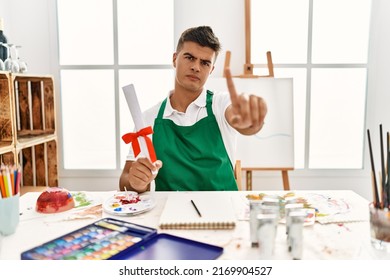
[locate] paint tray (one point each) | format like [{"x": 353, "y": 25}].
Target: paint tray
[
  {"x": 169, "y": 247},
  {"x": 112, "y": 239}
]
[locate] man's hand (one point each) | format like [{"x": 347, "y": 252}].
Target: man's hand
[
  {"x": 142, "y": 172},
  {"x": 247, "y": 112}
]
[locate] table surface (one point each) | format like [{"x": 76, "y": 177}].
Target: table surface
[{"x": 334, "y": 241}]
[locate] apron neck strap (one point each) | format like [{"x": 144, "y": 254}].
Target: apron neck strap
[
  {"x": 209, "y": 101},
  {"x": 162, "y": 109}
]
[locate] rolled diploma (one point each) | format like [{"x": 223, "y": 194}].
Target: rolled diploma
[{"x": 135, "y": 110}]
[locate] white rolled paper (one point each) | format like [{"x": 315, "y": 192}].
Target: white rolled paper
[
  {"x": 135, "y": 110},
  {"x": 136, "y": 113}
]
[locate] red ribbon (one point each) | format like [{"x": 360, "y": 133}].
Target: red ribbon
[{"x": 133, "y": 138}]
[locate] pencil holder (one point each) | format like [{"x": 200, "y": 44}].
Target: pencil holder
[
  {"x": 380, "y": 228},
  {"x": 9, "y": 214}
]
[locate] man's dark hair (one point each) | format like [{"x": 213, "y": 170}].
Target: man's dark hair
[{"x": 203, "y": 35}]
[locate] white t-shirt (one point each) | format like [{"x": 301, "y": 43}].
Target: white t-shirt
[{"x": 195, "y": 112}]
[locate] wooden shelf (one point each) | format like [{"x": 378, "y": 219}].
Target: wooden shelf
[
  {"x": 28, "y": 128},
  {"x": 23, "y": 143},
  {"x": 8, "y": 157},
  {"x": 7, "y": 129},
  {"x": 39, "y": 164},
  {"x": 6, "y": 149}
]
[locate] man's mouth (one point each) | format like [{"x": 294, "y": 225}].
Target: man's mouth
[{"x": 193, "y": 78}]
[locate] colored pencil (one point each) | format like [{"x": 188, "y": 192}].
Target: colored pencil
[
  {"x": 18, "y": 179},
  {"x": 9, "y": 183},
  {"x": 2, "y": 187},
  {"x": 12, "y": 181},
  {"x": 5, "y": 180}
]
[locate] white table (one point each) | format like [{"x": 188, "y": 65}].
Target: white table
[{"x": 321, "y": 241}]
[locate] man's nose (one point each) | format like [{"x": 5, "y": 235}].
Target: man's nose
[{"x": 195, "y": 66}]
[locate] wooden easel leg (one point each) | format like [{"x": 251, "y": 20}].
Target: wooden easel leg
[
  {"x": 248, "y": 180},
  {"x": 286, "y": 184}
]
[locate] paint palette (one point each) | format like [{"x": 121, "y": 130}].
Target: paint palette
[
  {"x": 98, "y": 241},
  {"x": 128, "y": 203},
  {"x": 113, "y": 239}
]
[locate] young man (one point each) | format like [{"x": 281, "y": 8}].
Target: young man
[{"x": 194, "y": 129}]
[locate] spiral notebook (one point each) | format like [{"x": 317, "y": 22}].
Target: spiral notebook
[{"x": 200, "y": 210}]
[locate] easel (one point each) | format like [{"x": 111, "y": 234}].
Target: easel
[{"x": 248, "y": 73}]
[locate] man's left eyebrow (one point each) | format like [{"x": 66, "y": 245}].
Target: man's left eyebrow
[
  {"x": 205, "y": 60},
  {"x": 187, "y": 53},
  {"x": 202, "y": 60}
]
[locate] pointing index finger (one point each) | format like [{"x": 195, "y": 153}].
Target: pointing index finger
[{"x": 231, "y": 87}]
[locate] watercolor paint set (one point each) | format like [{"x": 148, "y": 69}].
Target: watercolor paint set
[{"x": 113, "y": 239}]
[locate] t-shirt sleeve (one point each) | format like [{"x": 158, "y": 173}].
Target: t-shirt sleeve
[{"x": 221, "y": 102}]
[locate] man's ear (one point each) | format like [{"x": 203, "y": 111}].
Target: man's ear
[
  {"x": 212, "y": 69},
  {"x": 174, "y": 59}
]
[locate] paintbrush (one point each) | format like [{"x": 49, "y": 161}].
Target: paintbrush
[
  {"x": 374, "y": 185},
  {"x": 127, "y": 194},
  {"x": 386, "y": 200},
  {"x": 383, "y": 181}
]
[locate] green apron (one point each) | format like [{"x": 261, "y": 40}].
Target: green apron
[{"x": 194, "y": 157}]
